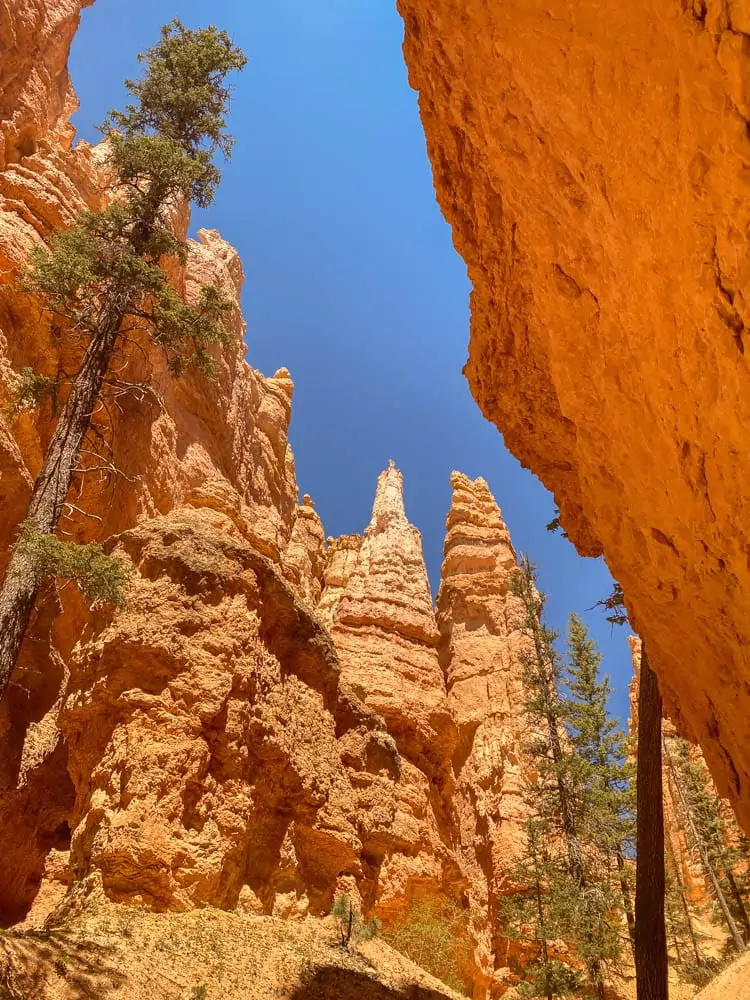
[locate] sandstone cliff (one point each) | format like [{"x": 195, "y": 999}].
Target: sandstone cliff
[
  {"x": 267, "y": 722},
  {"x": 592, "y": 160},
  {"x": 199, "y": 747}
]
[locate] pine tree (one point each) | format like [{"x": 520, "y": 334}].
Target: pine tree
[
  {"x": 607, "y": 823},
  {"x": 555, "y": 793},
  {"x": 541, "y": 913},
  {"x": 702, "y": 826},
  {"x": 651, "y": 961},
  {"x": 716, "y": 826},
  {"x": 650, "y": 934},
  {"x": 104, "y": 279}
]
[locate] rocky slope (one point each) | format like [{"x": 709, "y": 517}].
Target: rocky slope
[
  {"x": 592, "y": 160},
  {"x": 125, "y": 953}
]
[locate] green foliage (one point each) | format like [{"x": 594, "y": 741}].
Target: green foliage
[
  {"x": 97, "y": 575},
  {"x": 351, "y": 926},
  {"x": 161, "y": 149},
  {"x": 700, "y": 973},
  {"x": 28, "y": 391},
  {"x": 603, "y": 774},
  {"x": 552, "y": 978},
  {"x": 433, "y": 932},
  {"x": 726, "y": 846},
  {"x": 199, "y": 992},
  {"x": 181, "y": 100},
  {"x": 555, "y": 525},
  {"x": 572, "y": 872}
]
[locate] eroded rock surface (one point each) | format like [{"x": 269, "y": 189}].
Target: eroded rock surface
[
  {"x": 481, "y": 638},
  {"x": 592, "y": 160}
]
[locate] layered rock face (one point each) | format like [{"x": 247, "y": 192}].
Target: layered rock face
[
  {"x": 480, "y": 641},
  {"x": 592, "y": 160},
  {"x": 137, "y": 748}
]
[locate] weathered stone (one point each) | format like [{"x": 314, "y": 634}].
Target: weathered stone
[
  {"x": 479, "y": 621},
  {"x": 592, "y": 160}
]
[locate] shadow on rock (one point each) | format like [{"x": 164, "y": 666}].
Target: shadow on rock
[
  {"x": 33, "y": 963},
  {"x": 346, "y": 984}
]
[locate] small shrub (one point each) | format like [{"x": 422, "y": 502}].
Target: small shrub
[
  {"x": 97, "y": 575},
  {"x": 433, "y": 932},
  {"x": 29, "y": 391},
  {"x": 350, "y": 923},
  {"x": 700, "y": 973},
  {"x": 199, "y": 992}
]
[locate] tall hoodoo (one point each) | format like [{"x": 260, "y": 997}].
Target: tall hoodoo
[
  {"x": 479, "y": 644},
  {"x": 385, "y": 630},
  {"x": 378, "y": 607}
]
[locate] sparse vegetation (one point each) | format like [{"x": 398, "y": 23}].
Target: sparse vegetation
[
  {"x": 97, "y": 575},
  {"x": 351, "y": 925},
  {"x": 28, "y": 391},
  {"x": 433, "y": 932}
]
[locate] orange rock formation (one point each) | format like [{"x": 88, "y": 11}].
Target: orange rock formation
[
  {"x": 479, "y": 621},
  {"x": 269, "y": 720},
  {"x": 593, "y": 160}
]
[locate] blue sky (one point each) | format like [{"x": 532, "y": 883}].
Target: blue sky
[{"x": 352, "y": 280}]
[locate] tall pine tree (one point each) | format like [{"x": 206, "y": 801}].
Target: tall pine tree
[
  {"x": 606, "y": 805},
  {"x": 104, "y": 279},
  {"x": 556, "y": 796}
]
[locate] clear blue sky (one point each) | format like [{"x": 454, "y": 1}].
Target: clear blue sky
[{"x": 352, "y": 280}]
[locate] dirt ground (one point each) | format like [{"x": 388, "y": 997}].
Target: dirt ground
[{"x": 121, "y": 953}]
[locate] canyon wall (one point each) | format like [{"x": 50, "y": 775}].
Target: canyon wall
[
  {"x": 592, "y": 160},
  {"x": 272, "y": 718}
]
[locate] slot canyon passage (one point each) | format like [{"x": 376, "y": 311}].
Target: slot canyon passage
[{"x": 278, "y": 719}]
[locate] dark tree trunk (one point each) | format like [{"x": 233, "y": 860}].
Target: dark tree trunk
[
  {"x": 650, "y": 931},
  {"x": 627, "y": 902},
  {"x": 22, "y": 579}
]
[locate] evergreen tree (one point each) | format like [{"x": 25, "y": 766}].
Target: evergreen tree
[
  {"x": 555, "y": 793},
  {"x": 716, "y": 826},
  {"x": 650, "y": 934},
  {"x": 651, "y": 959},
  {"x": 104, "y": 279},
  {"x": 606, "y": 806},
  {"x": 701, "y": 837},
  {"x": 541, "y": 913}
]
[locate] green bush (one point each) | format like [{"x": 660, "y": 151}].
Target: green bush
[
  {"x": 97, "y": 575},
  {"x": 350, "y": 923},
  {"x": 433, "y": 932}
]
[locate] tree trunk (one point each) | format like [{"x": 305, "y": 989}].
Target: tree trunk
[
  {"x": 626, "y": 900},
  {"x": 736, "y": 896},
  {"x": 684, "y": 902},
  {"x": 703, "y": 851},
  {"x": 650, "y": 931},
  {"x": 22, "y": 579}
]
